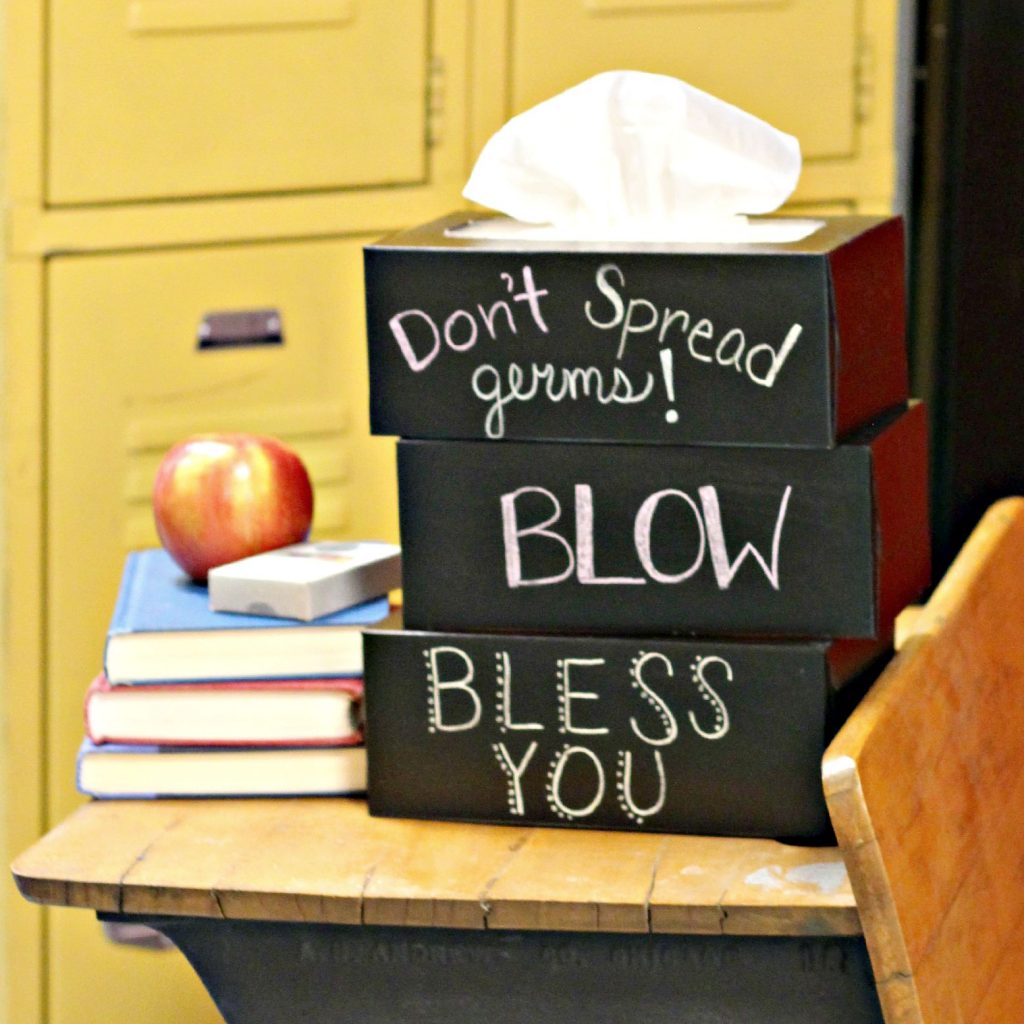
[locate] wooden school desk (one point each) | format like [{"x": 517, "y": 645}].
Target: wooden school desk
[{"x": 311, "y": 911}]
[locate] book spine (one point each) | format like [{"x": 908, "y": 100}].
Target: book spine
[
  {"x": 679, "y": 736},
  {"x": 126, "y": 600},
  {"x": 98, "y": 683},
  {"x": 126, "y": 595},
  {"x": 119, "y": 621},
  {"x": 100, "y": 691},
  {"x": 353, "y": 740}
]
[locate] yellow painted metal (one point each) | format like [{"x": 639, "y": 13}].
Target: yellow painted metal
[
  {"x": 203, "y": 15},
  {"x": 623, "y": 6},
  {"x": 93, "y": 981},
  {"x": 490, "y": 28},
  {"x": 62, "y": 302},
  {"x": 878, "y": 58},
  {"x": 824, "y": 70},
  {"x": 204, "y": 108},
  {"x": 125, "y": 381},
  {"x": 24, "y": 623},
  {"x": 199, "y": 222},
  {"x": 790, "y": 63},
  {"x": 40, "y": 955},
  {"x": 23, "y": 72},
  {"x": 864, "y": 184}
]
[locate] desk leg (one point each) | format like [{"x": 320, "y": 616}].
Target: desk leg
[{"x": 271, "y": 973}]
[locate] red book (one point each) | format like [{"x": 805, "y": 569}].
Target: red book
[{"x": 280, "y": 712}]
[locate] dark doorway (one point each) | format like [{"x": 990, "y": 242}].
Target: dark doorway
[{"x": 967, "y": 257}]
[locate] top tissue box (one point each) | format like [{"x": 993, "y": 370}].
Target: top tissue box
[{"x": 789, "y": 343}]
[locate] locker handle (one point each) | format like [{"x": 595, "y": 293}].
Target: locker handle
[
  {"x": 145, "y": 16},
  {"x": 241, "y": 328}
]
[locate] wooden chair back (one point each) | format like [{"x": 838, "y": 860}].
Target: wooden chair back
[{"x": 925, "y": 785}]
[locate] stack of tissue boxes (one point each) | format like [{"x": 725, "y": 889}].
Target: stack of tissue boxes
[{"x": 660, "y": 505}]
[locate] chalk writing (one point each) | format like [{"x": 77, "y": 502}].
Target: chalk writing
[
  {"x": 556, "y": 772},
  {"x": 668, "y": 720},
  {"x": 523, "y": 383},
  {"x": 419, "y": 337},
  {"x": 698, "y": 672},
  {"x": 668, "y": 373},
  {"x": 567, "y": 695},
  {"x": 577, "y": 781},
  {"x": 503, "y": 704},
  {"x": 762, "y": 363},
  {"x": 520, "y": 319},
  {"x": 514, "y": 773},
  {"x": 579, "y": 558},
  {"x": 624, "y": 787},
  {"x": 462, "y": 684}
]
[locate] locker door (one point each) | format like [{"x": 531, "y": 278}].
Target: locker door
[
  {"x": 126, "y": 380},
  {"x": 152, "y": 99}
]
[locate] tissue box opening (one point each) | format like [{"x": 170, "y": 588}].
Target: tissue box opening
[
  {"x": 792, "y": 344},
  {"x": 740, "y": 230}
]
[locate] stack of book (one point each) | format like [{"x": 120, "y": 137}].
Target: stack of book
[
  {"x": 195, "y": 702},
  {"x": 660, "y": 506}
]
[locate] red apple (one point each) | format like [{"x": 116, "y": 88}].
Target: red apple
[{"x": 221, "y": 497}]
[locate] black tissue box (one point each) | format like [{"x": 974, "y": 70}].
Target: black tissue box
[
  {"x": 661, "y": 735},
  {"x": 791, "y": 344},
  {"x": 626, "y": 539}
]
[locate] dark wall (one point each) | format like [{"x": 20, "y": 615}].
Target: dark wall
[{"x": 967, "y": 257}]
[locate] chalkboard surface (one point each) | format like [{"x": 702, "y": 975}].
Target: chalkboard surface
[
  {"x": 666, "y": 540},
  {"x": 795, "y": 345},
  {"x": 664, "y": 735}
]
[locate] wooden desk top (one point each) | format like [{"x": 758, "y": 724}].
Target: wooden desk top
[{"x": 329, "y": 861}]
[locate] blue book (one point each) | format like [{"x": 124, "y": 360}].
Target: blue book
[
  {"x": 114, "y": 771},
  {"x": 164, "y": 631}
]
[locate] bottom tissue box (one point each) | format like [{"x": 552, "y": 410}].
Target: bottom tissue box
[{"x": 657, "y": 734}]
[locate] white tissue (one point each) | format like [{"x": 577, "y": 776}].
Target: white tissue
[{"x": 628, "y": 155}]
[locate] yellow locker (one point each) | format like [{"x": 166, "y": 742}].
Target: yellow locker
[
  {"x": 127, "y": 379},
  {"x": 790, "y": 62},
  {"x": 172, "y": 158},
  {"x": 152, "y": 99},
  {"x": 91, "y": 979},
  {"x": 823, "y": 70}
]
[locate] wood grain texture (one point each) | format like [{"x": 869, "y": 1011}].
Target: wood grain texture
[
  {"x": 329, "y": 861},
  {"x": 576, "y": 881},
  {"x": 436, "y": 876},
  {"x": 84, "y": 860},
  {"x": 804, "y": 889},
  {"x": 907, "y": 624},
  {"x": 925, "y": 785}
]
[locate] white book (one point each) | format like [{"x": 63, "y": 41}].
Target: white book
[
  {"x": 307, "y": 581},
  {"x": 115, "y": 771}
]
